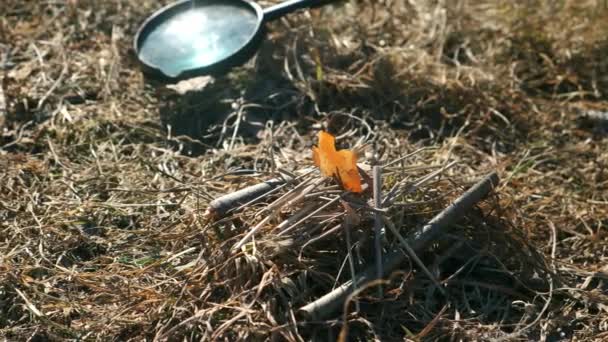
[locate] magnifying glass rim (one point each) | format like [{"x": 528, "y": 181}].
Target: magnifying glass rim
[{"x": 156, "y": 72}]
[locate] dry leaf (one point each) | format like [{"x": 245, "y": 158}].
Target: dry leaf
[{"x": 341, "y": 164}]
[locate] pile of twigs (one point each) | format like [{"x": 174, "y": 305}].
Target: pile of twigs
[{"x": 304, "y": 208}]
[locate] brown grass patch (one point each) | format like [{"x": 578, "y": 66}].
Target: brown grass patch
[{"x": 104, "y": 180}]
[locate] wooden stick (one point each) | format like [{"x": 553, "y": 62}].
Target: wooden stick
[
  {"x": 332, "y": 301},
  {"x": 351, "y": 262},
  {"x": 220, "y": 206},
  {"x": 2, "y": 106},
  {"x": 377, "y": 187},
  {"x": 289, "y": 179}
]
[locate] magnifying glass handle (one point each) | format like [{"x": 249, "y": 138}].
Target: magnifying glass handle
[{"x": 279, "y": 10}]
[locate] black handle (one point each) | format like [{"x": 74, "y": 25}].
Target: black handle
[{"x": 279, "y": 10}]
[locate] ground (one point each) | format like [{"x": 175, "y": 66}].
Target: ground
[{"x": 105, "y": 177}]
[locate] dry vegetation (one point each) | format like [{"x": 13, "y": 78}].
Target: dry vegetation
[{"x": 104, "y": 180}]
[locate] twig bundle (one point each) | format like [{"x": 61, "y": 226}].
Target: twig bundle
[{"x": 311, "y": 208}]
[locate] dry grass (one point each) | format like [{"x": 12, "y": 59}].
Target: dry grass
[{"x": 104, "y": 181}]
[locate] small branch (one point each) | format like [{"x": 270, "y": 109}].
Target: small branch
[
  {"x": 351, "y": 261},
  {"x": 377, "y": 177},
  {"x": 220, "y": 206},
  {"x": 2, "y": 106},
  {"x": 289, "y": 178},
  {"x": 332, "y": 301},
  {"x": 237, "y": 124}
]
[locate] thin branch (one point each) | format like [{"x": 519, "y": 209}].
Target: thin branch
[{"x": 377, "y": 177}]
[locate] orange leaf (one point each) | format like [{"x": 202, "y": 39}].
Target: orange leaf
[{"x": 340, "y": 164}]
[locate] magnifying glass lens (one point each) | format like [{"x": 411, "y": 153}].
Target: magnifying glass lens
[{"x": 198, "y": 37}]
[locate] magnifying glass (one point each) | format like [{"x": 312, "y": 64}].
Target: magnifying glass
[{"x": 191, "y": 38}]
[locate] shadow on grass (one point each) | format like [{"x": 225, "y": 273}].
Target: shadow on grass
[{"x": 305, "y": 82}]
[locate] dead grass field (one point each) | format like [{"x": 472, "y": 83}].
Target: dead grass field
[{"x": 104, "y": 180}]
